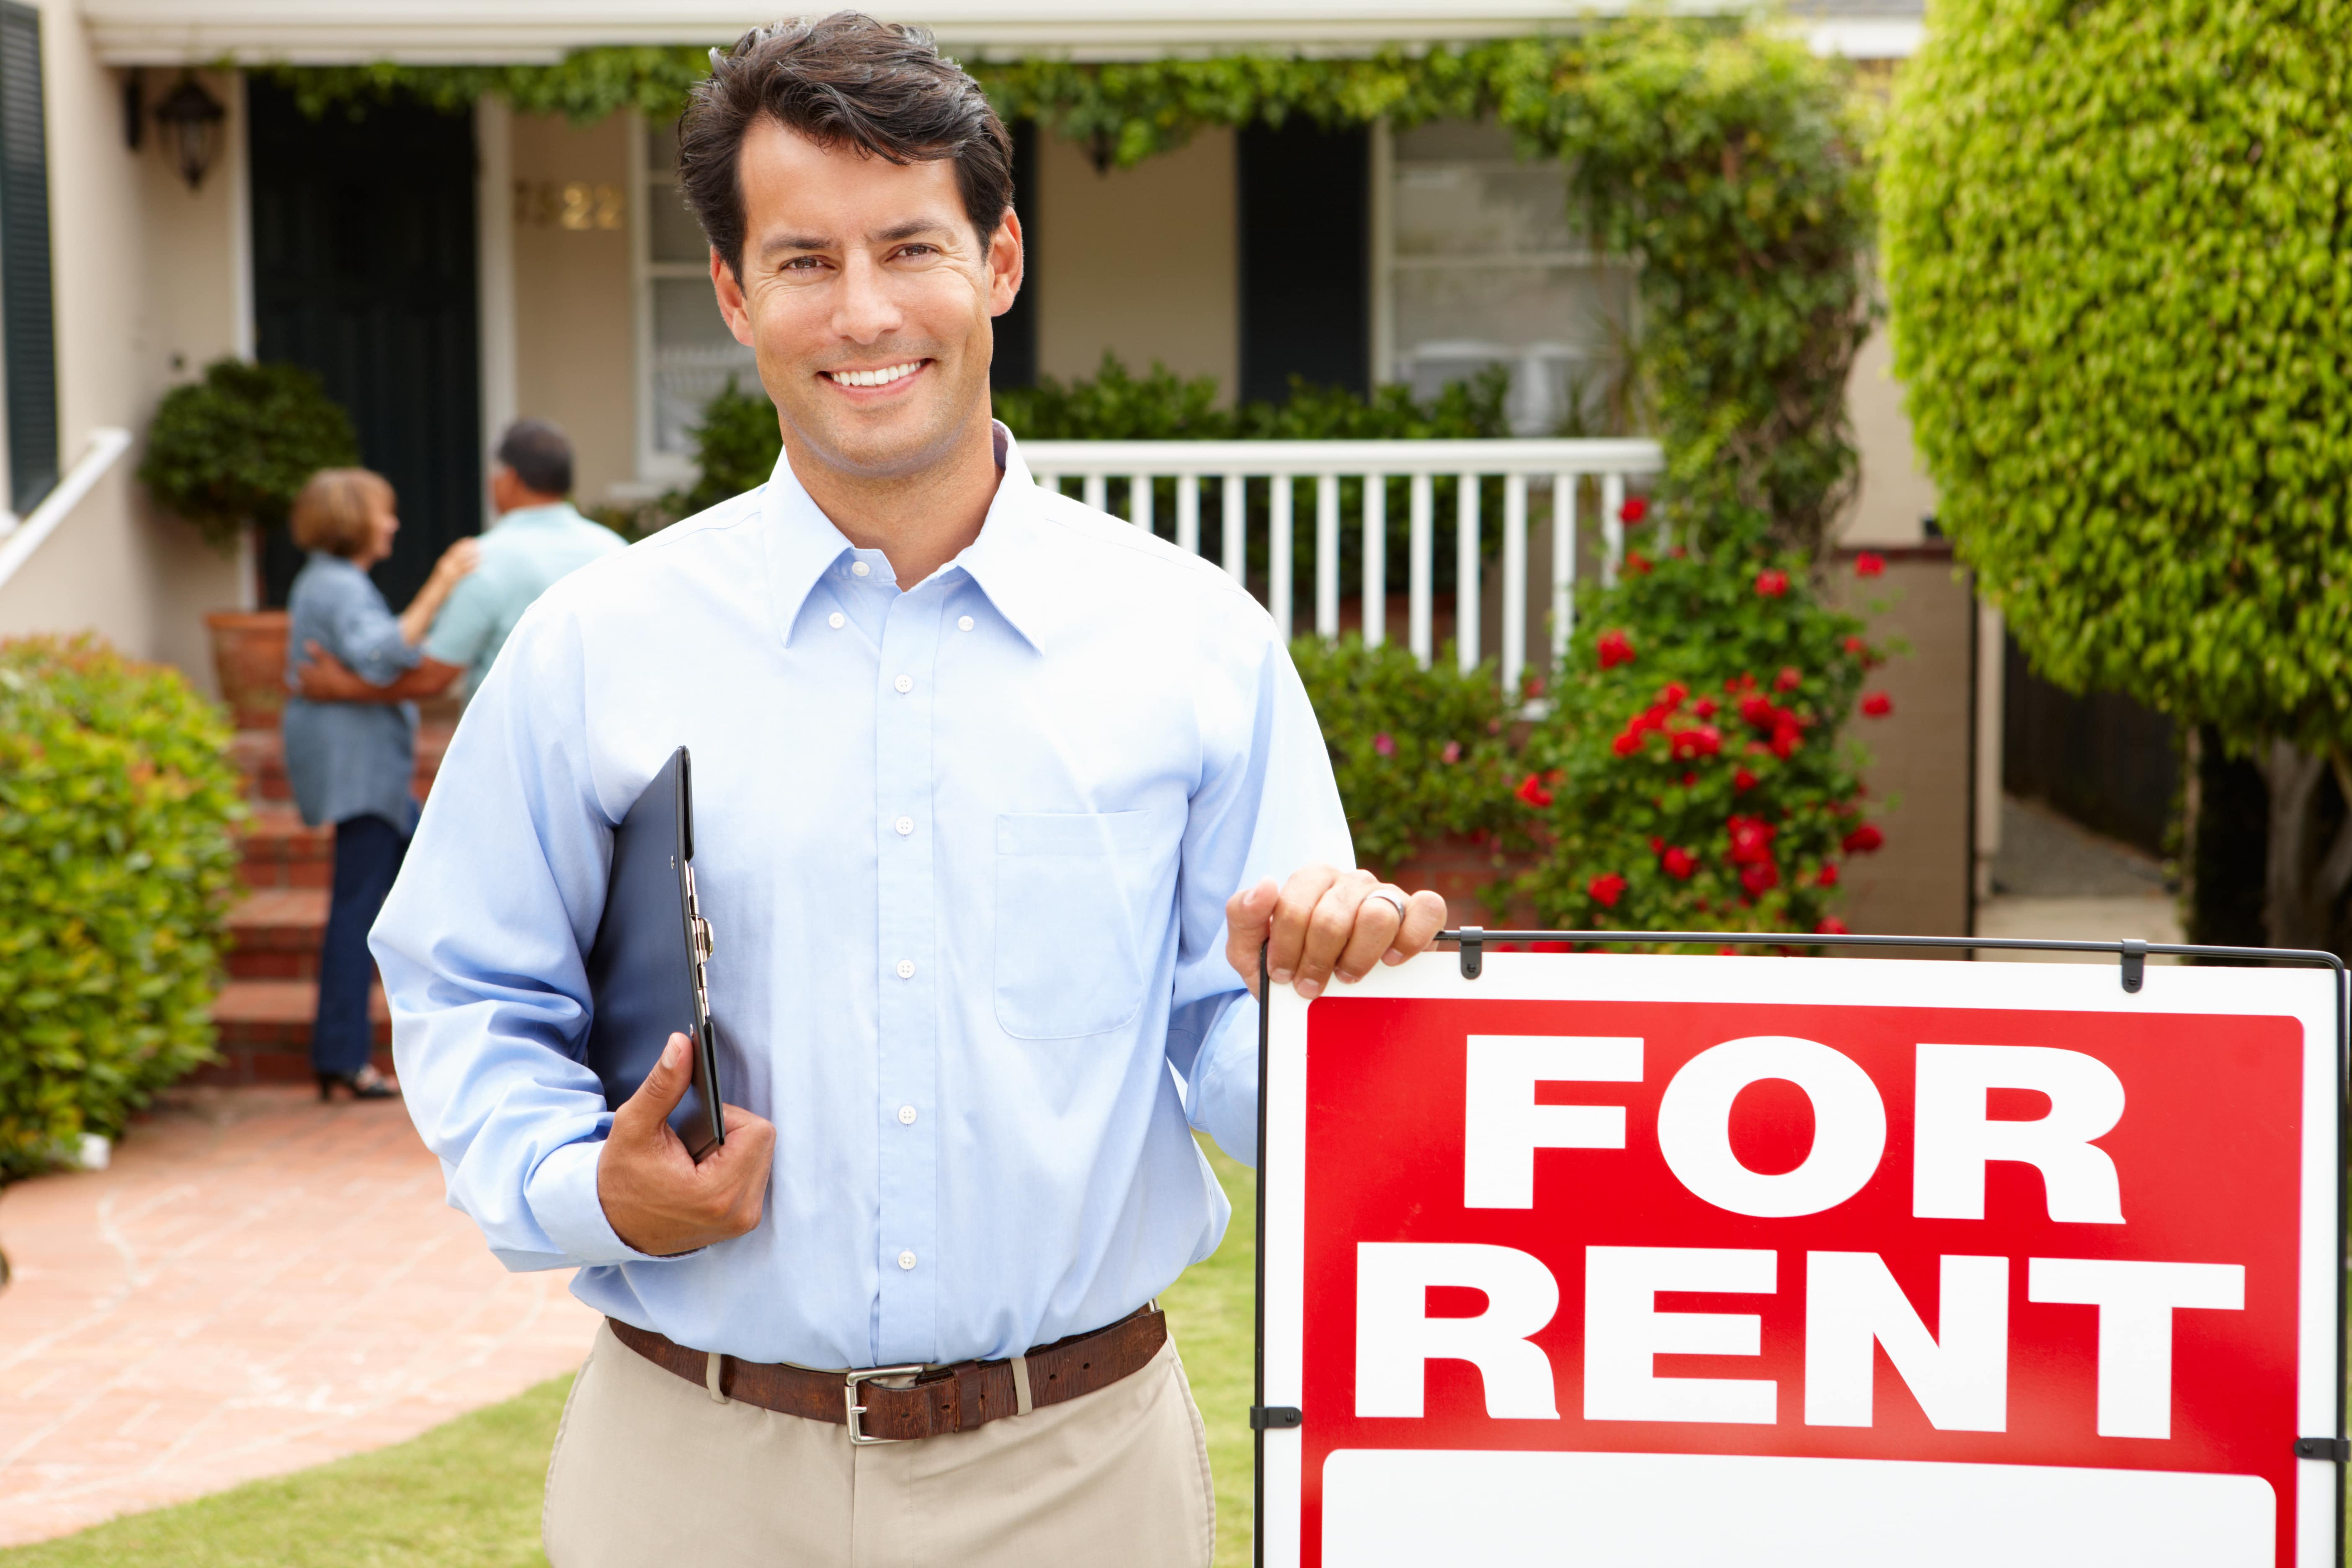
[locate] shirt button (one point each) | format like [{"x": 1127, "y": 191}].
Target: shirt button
[
  {"x": 905, "y": 969},
  {"x": 860, "y": 568},
  {"x": 905, "y": 1116},
  {"x": 906, "y": 1261},
  {"x": 905, "y": 825},
  {"x": 837, "y": 620},
  {"x": 963, "y": 623},
  {"x": 904, "y": 683}
]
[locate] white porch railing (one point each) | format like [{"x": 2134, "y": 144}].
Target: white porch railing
[
  {"x": 20, "y": 537},
  {"x": 1556, "y": 469}
]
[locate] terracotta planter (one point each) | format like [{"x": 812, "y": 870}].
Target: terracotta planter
[{"x": 250, "y": 654}]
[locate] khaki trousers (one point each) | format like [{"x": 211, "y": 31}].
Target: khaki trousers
[{"x": 649, "y": 1470}]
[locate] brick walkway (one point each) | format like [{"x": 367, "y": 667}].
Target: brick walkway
[{"x": 259, "y": 1283}]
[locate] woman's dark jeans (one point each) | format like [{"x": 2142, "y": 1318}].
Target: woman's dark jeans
[{"x": 368, "y": 851}]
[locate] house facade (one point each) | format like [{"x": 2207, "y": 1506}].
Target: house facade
[{"x": 443, "y": 273}]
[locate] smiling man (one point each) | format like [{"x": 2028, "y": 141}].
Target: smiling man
[{"x": 992, "y": 794}]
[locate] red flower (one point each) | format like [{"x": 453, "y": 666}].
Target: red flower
[
  {"x": 1830, "y": 926},
  {"x": 1689, "y": 779},
  {"x": 1673, "y": 693},
  {"x": 1772, "y": 582},
  {"x": 1789, "y": 680},
  {"x": 1637, "y": 562},
  {"x": 1615, "y": 648},
  {"x": 1532, "y": 791},
  {"x": 1531, "y": 686},
  {"x": 1626, "y": 743},
  {"x": 1785, "y": 739},
  {"x": 1452, "y": 753},
  {"x": 1867, "y": 564},
  {"x": 1385, "y": 743},
  {"x": 1551, "y": 947},
  {"x": 1678, "y": 862},
  {"x": 1606, "y": 890},
  {"x": 1829, "y": 876},
  {"x": 1704, "y": 707},
  {"x": 1759, "y": 878},
  {"x": 1863, "y": 839},
  {"x": 1743, "y": 779},
  {"x": 1876, "y": 704},
  {"x": 1634, "y": 509},
  {"x": 1758, "y": 710}
]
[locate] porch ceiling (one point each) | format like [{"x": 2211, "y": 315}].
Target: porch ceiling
[{"x": 329, "y": 31}]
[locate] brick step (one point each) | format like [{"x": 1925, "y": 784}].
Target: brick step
[
  {"x": 280, "y": 852},
  {"x": 274, "y": 933},
  {"x": 260, "y": 757},
  {"x": 265, "y": 1032}
]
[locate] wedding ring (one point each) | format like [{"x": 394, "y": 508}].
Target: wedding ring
[{"x": 1388, "y": 896}]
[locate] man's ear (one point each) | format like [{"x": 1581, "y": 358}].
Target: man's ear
[
  {"x": 1007, "y": 263},
  {"x": 724, "y": 283}
]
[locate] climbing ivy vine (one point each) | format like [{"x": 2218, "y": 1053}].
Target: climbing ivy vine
[{"x": 1717, "y": 154}]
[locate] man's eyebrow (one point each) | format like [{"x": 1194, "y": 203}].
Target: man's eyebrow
[
  {"x": 910, "y": 229},
  {"x": 776, "y": 242}
]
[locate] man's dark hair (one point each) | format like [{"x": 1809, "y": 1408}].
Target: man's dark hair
[
  {"x": 540, "y": 455},
  {"x": 847, "y": 80}
]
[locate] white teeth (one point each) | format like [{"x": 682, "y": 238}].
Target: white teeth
[{"x": 876, "y": 377}]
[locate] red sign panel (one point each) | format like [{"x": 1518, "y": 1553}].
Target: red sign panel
[{"x": 1690, "y": 1277}]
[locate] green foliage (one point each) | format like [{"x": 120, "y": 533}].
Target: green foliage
[
  {"x": 1719, "y": 153},
  {"x": 2121, "y": 274},
  {"x": 1420, "y": 755},
  {"x": 736, "y": 445},
  {"x": 1688, "y": 776},
  {"x": 236, "y": 446},
  {"x": 116, "y": 861}
]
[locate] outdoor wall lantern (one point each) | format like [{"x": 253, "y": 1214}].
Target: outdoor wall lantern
[{"x": 190, "y": 118}]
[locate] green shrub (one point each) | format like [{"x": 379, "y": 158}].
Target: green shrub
[
  {"x": 1420, "y": 755},
  {"x": 238, "y": 445},
  {"x": 1689, "y": 775},
  {"x": 116, "y": 862}
]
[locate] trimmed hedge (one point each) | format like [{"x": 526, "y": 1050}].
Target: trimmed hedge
[{"x": 117, "y": 802}]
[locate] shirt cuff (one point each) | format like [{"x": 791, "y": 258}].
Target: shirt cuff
[{"x": 562, "y": 1197}]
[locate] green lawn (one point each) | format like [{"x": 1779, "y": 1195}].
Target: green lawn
[{"x": 466, "y": 1495}]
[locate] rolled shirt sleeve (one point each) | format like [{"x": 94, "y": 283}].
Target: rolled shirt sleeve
[{"x": 490, "y": 1013}]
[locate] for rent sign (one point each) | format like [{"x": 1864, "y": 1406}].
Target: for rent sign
[{"x": 1664, "y": 1261}]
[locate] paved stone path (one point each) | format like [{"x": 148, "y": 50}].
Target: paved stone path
[{"x": 257, "y": 1283}]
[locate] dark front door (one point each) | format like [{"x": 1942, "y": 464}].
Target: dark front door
[{"x": 363, "y": 272}]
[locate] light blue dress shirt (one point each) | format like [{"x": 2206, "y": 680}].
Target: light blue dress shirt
[
  {"x": 966, "y": 849},
  {"x": 523, "y": 554}
]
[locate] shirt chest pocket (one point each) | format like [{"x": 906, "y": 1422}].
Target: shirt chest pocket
[{"x": 1074, "y": 906}]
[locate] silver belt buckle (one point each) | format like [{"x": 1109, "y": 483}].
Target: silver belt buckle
[{"x": 849, "y": 1397}]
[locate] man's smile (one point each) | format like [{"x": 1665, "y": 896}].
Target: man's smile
[{"x": 886, "y": 376}]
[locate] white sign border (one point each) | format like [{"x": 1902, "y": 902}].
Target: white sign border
[{"x": 2306, "y": 994}]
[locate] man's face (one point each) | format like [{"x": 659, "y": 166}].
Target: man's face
[{"x": 867, "y": 298}]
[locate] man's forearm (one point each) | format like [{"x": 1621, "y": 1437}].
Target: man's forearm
[{"x": 429, "y": 678}]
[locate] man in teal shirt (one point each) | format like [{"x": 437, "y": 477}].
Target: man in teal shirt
[{"x": 538, "y": 538}]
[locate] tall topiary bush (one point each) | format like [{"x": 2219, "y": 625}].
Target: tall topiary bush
[
  {"x": 235, "y": 448},
  {"x": 2121, "y": 274},
  {"x": 116, "y": 862}
]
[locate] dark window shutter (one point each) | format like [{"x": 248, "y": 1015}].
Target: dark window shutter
[
  {"x": 1015, "y": 363},
  {"x": 1306, "y": 258},
  {"x": 28, "y": 329}
]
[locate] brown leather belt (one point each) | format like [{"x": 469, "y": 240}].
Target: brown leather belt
[{"x": 954, "y": 1398}]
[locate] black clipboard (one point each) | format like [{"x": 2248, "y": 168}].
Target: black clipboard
[{"x": 648, "y": 976}]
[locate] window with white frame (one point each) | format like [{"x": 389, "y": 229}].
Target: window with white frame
[
  {"x": 686, "y": 354},
  {"x": 1478, "y": 262}
]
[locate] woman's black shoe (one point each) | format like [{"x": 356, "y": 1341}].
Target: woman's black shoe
[{"x": 365, "y": 1084}]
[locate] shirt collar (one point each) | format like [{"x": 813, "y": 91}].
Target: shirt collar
[
  {"x": 1008, "y": 561},
  {"x": 554, "y": 512}
]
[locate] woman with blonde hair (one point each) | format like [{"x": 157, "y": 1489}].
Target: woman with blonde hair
[{"x": 350, "y": 763}]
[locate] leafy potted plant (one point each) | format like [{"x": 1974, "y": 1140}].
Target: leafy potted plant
[{"x": 228, "y": 453}]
